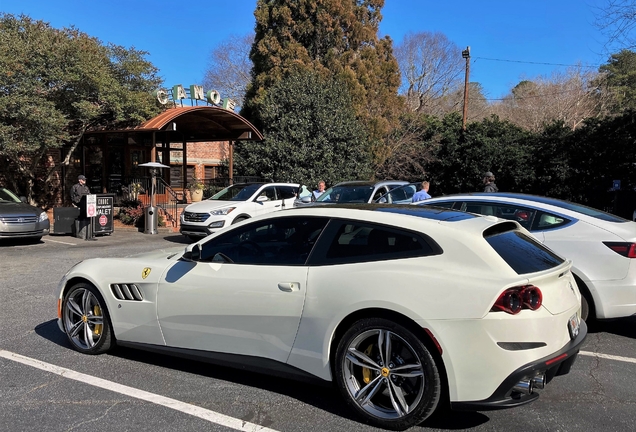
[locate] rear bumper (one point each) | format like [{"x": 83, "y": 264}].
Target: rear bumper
[
  {"x": 558, "y": 363},
  {"x": 614, "y": 298}
]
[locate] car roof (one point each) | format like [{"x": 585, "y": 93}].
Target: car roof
[
  {"x": 423, "y": 212},
  {"x": 265, "y": 183}
]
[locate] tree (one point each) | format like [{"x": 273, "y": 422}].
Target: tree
[
  {"x": 431, "y": 68},
  {"x": 311, "y": 134},
  {"x": 618, "y": 77},
  {"x": 617, "y": 20},
  {"x": 335, "y": 38},
  {"x": 570, "y": 97},
  {"x": 55, "y": 84},
  {"x": 230, "y": 66}
]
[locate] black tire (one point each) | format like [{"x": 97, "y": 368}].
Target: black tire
[
  {"x": 588, "y": 310},
  {"x": 395, "y": 396},
  {"x": 86, "y": 320}
]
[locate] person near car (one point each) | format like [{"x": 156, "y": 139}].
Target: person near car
[
  {"x": 489, "y": 182},
  {"x": 320, "y": 190},
  {"x": 422, "y": 194},
  {"x": 83, "y": 224}
]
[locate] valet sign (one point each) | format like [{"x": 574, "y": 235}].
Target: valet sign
[{"x": 103, "y": 221}]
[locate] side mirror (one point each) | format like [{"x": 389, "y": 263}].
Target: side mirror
[
  {"x": 262, "y": 198},
  {"x": 195, "y": 254},
  {"x": 306, "y": 199}
]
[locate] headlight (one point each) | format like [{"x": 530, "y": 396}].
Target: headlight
[
  {"x": 43, "y": 217},
  {"x": 222, "y": 212}
]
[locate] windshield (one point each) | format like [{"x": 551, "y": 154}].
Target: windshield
[
  {"x": 7, "y": 195},
  {"x": 346, "y": 194},
  {"x": 237, "y": 192}
]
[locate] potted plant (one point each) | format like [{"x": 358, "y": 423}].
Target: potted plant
[{"x": 196, "y": 189}]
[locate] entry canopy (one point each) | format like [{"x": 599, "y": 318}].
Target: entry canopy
[{"x": 202, "y": 123}]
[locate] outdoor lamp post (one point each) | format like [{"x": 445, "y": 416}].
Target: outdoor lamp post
[{"x": 151, "y": 216}]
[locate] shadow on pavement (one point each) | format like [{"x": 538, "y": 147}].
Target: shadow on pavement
[{"x": 625, "y": 327}]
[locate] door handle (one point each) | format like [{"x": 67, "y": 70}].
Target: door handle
[
  {"x": 289, "y": 286},
  {"x": 277, "y": 205}
]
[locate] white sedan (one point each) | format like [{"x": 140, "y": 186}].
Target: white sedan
[
  {"x": 602, "y": 246},
  {"x": 404, "y": 308}
]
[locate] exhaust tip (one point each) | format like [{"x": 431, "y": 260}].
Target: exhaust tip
[
  {"x": 538, "y": 381},
  {"x": 524, "y": 386}
]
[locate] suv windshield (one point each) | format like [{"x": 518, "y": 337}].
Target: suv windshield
[
  {"x": 237, "y": 192},
  {"x": 346, "y": 194}
]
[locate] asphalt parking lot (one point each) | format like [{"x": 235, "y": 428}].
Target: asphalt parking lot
[{"x": 46, "y": 386}]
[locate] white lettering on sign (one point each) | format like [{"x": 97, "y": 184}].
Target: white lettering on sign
[
  {"x": 161, "y": 96},
  {"x": 196, "y": 92},
  {"x": 213, "y": 97},
  {"x": 229, "y": 104},
  {"x": 178, "y": 92}
]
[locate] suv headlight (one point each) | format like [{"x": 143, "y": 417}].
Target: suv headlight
[
  {"x": 43, "y": 217},
  {"x": 222, "y": 212}
]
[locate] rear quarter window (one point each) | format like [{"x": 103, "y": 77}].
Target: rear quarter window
[{"x": 521, "y": 252}]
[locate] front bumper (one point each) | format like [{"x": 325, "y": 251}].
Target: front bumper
[
  {"x": 196, "y": 230},
  {"x": 558, "y": 363}
]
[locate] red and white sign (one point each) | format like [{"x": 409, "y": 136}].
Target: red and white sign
[
  {"x": 91, "y": 205},
  {"x": 103, "y": 220}
]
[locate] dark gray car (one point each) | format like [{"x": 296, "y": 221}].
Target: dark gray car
[{"x": 21, "y": 220}]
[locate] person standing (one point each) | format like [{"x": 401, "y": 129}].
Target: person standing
[
  {"x": 489, "y": 182},
  {"x": 320, "y": 190},
  {"x": 83, "y": 224},
  {"x": 422, "y": 194}
]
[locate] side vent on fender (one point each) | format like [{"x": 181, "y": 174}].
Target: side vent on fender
[{"x": 126, "y": 292}]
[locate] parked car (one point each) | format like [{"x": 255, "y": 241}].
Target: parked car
[
  {"x": 234, "y": 204},
  {"x": 405, "y": 308},
  {"x": 357, "y": 191},
  {"x": 21, "y": 220},
  {"x": 600, "y": 244}
]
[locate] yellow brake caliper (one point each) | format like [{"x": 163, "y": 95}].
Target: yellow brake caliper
[
  {"x": 98, "y": 327},
  {"x": 367, "y": 375}
]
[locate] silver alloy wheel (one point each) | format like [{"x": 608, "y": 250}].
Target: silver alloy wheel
[
  {"x": 83, "y": 318},
  {"x": 383, "y": 374}
]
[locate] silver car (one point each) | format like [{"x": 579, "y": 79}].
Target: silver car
[
  {"x": 352, "y": 192},
  {"x": 21, "y": 220}
]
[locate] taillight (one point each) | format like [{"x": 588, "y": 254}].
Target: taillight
[
  {"x": 514, "y": 299},
  {"x": 622, "y": 248}
]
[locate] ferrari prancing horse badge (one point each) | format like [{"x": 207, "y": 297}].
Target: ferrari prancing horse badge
[{"x": 145, "y": 272}]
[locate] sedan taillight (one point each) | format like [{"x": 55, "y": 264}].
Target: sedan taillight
[
  {"x": 622, "y": 248},
  {"x": 514, "y": 299}
]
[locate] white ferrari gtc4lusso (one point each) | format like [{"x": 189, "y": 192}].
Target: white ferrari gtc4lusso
[{"x": 404, "y": 308}]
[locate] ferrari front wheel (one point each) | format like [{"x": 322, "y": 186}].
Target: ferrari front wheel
[
  {"x": 85, "y": 319},
  {"x": 387, "y": 374}
]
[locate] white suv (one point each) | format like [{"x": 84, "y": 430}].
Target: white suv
[{"x": 234, "y": 204}]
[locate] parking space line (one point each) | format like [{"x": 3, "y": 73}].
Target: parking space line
[
  {"x": 174, "y": 404},
  {"x": 57, "y": 241},
  {"x": 608, "y": 356}
]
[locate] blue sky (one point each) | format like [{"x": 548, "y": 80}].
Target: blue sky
[{"x": 510, "y": 40}]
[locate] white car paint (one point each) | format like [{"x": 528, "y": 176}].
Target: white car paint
[{"x": 609, "y": 277}]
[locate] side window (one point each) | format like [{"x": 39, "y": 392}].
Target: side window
[
  {"x": 360, "y": 242},
  {"x": 378, "y": 193},
  {"x": 523, "y": 215},
  {"x": 445, "y": 204},
  {"x": 286, "y": 192},
  {"x": 280, "y": 241},
  {"x": 269, "y": 192},
  {"x": 546, "y": 221}
]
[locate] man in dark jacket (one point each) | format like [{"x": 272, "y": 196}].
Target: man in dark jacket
[{"x": 83, "y": 225}]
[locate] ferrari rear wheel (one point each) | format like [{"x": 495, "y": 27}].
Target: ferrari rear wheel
[
  {"x": 387, "y": 374},
  {"x": 86, "y": 320}
]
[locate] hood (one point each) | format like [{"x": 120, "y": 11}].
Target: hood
[
  {"x": 207, "y": 205},
  {"x": 9, "y": 208}
]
